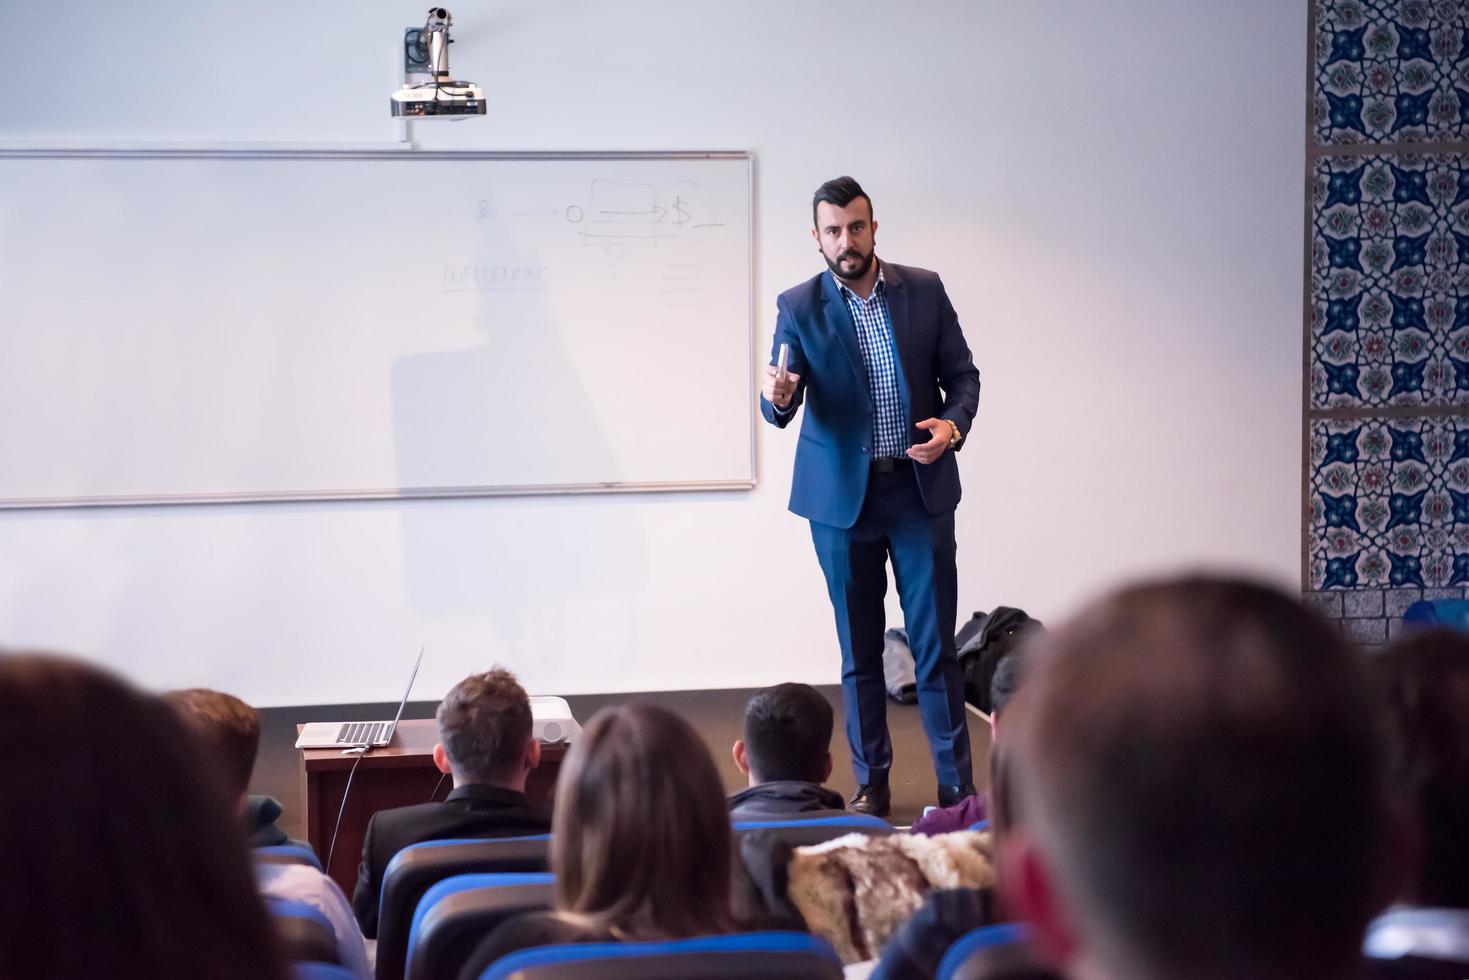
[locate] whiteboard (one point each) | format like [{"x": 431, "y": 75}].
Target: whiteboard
[{"x": 186, "y": 327}]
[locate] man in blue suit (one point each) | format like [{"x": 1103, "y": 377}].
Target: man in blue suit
[{"x": 877, "y": 357}]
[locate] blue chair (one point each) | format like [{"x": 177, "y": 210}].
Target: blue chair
[
  {"x": 740, "y": 956},
  {"x": 303, "y": 932},
  {"x": 321, "y": 971},
  {"x": 286, "y": 854},
  {"x": 997, "y": 952},
  {"x": 1425, "y": 613},
  {"x": 455, "y": 914},
  {"x": 815, "y": 830},
  {"x": 417, "y": 867}
]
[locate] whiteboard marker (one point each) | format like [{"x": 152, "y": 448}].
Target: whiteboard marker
[{"x": 783, "y": 360}]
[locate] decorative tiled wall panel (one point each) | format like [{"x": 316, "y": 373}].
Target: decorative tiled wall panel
[
  {"x": 1390, "y": 281},
  {"x": 1390, "y": 71},
  {"x": 1387, "y": 311},
  {"x": 1389, "y": 504}
]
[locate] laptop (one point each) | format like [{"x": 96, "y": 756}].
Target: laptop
[{"x": 355, "y": 734}]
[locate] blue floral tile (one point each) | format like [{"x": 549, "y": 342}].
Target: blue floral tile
[
  {"x": 1390, "y": 71},
  {"x": 1390, "y": 281},
  {"x": 1389, "y": 503}
]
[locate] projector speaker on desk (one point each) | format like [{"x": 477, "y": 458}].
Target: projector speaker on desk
[{"x": 551, "y": 720}]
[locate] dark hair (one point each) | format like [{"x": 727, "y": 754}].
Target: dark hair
[
  {"x": 839, "y": 191},
  {"x": 1005, "y": 682},
  {"x": 1423, "y": 683},
  {"x": 229, "y": 725},
  {"x": 485, "y": 723},
  {"x": 122, "y": 853},
  {"x": 1197, "y": 759},
  {"x": 788, "y": 733},
  {"x": 640, "y": 837}
]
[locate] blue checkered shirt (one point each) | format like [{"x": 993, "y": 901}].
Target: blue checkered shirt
[{"x": 875, "y": 337}]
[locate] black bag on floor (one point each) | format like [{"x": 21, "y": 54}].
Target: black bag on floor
[{"x": 983, "y": 642}]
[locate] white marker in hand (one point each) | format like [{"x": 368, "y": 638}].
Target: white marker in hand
[{"x": 782, "y": 361}]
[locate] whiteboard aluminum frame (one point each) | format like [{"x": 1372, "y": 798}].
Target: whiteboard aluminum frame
[{"x": 219, "y": 152}]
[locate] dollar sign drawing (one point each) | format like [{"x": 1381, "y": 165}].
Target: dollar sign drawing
[{"x": 680, "y": 213}]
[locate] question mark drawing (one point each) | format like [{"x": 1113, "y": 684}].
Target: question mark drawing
[{"x": 614, "y": 254}]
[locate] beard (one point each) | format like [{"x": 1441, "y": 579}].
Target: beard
[{"x": 864, "y": 263}]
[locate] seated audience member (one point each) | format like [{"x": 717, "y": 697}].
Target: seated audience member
[
  {"x": 1003, "y": 685},
  {"x": 231, "y": 728},
  {"x": 1196, "y": 789},
  {"x": 1423, "y": 682},
  {"x": 119, "y": 852},
  {"x": 785, "y": 754},
  {"x": 488, "y": 746},
  {"x": 641, "y": 847}
]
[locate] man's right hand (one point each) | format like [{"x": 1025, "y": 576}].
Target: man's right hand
[{"x": 778, "y": 389}]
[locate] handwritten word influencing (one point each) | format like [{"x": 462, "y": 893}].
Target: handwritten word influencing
[{"x": 496, "y": 276}]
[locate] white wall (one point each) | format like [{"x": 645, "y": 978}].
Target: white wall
[{"x": 1112, "y": 192}]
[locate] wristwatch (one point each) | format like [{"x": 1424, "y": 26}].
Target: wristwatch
[{"x": 955, "y": 436}]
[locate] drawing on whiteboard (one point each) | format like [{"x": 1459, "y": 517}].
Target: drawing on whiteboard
[{"x": 616, "y": 217}]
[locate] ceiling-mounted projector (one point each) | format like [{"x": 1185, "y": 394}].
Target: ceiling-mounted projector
[{"x": 440, "y": 96}]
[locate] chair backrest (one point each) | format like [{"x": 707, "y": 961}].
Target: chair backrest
[
  {"x": 814, "y": 830},
  {"x": 286, "y": 854},
  {"x": 455, "y": 914},
  {"x": 320, "y": 971},
  {"x": 740, "y": 956},
  {"x": 303, "y": 932},
  {"x": 415, "y": 868},
  {"x": 997, "y": 952}
]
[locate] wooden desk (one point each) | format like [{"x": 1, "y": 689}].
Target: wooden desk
[{"x": 401, "y": 774}]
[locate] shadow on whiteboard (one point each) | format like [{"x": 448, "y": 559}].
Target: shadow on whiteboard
[{"x": 509, "y": 414}]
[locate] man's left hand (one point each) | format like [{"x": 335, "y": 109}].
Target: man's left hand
[{"x": 938, "y": 443}]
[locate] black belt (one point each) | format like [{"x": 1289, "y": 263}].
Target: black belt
[{"x": 887, "y": 465}]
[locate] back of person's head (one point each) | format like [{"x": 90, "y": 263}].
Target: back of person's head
[
  {"x": 1196, "y": 788},
  {"x": 230, "y": 727},
  {"x": 121, "y": 851},
  {"x": 1423, "y": 683},
  {"x": 788, "y": 734},
  {"x": 640, "y": 839},
  {"x": 485, "y": 724}
]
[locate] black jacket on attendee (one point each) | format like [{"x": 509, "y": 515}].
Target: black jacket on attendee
[
  {"x": 469, "y": 811},
  {"x": 782, "y": 798}
]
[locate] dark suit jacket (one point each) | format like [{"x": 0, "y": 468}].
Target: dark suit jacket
[
  {"x": 469, "y": 811},
  {"x": 937, "y": 379}
]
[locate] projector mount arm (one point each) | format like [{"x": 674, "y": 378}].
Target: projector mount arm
[{"x": 435, "y": 36}]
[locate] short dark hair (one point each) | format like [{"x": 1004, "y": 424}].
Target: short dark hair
[
  {"x": 123, "y": 855},
  {"x": 485, "y": 723},
  {"x": 788, "y": 733},
  {"x": 839, "y": 191},
  {"x": 1423, "y": 684},
  {"x": 1006, "y": 680},
  {"x": 230, "y": 727},
  {"x": 1197, "y": 760}
]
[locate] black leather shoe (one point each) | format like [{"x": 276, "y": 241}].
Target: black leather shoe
[
  {"x": 949, "y": 795},
  {"x": 874, "y": 800}
]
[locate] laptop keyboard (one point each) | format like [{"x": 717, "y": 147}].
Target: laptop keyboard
[{"x": 362, "y": 732}]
